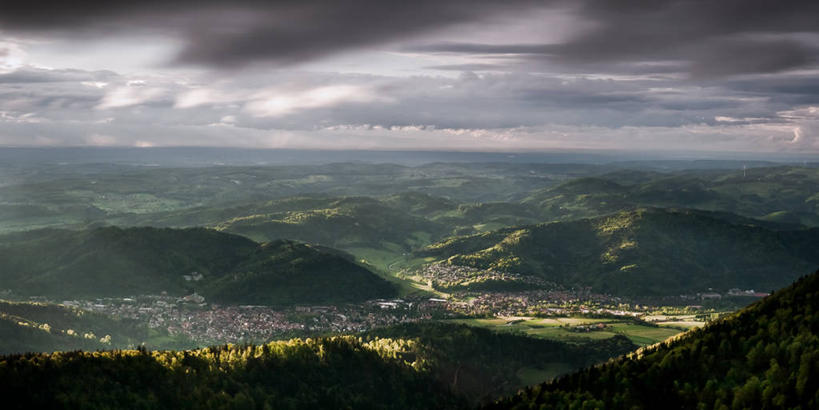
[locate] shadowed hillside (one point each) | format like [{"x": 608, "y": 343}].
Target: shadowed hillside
[
  {"x": 120, "y": 262},
  {"x": 284, "y": 272}
]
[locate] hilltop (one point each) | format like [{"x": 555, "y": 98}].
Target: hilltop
[
  {"x": 647, "y": 251},
  {"x": 761, "y": 357},
  {"x": 285, "y": 272},
  {"x": 107, "y": 262}
]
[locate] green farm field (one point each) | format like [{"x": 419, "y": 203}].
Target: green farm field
[{"x": 565, "y": 328}]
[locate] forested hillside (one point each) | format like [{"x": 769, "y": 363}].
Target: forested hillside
[
  {"x": 642, "y": 252},
  {"x": 402, "y": 221},
  {"x": 338, "y": 222},
  {"x": 765, "y": 356},
  {"x": 285, "y": 272},
  {"x": 107, "y": 262}
]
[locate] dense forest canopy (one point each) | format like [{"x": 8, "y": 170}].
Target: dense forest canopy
[
  {"x": 337, "y": 372},
  {"x": 425, "y": 365}
]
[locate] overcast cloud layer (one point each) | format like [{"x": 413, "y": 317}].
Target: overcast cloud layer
[{"x": 725, "y": 75}]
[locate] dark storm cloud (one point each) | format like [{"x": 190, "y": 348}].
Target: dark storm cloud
[
  {"x": 709, "y": 38},
  {"x": 235, "y": 33},
  {"x": 640, "y": 73},
  {"x": 789, "y": 90}
]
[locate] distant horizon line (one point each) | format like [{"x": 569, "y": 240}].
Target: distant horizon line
[{"x": 534, "y": 151}]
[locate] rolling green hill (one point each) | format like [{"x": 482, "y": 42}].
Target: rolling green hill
[
  {"x": 642, "y": 252},
  {"x": 72, "y": 196},
  {"x": 339, "y": 222},
  {"x": 780, "y": 198},
  {"x": 765, "y": 356},
  {"x": 120, "y": 262},
  {"x": 380, "y": 230}
]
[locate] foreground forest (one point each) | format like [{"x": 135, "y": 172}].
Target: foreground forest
[
  {"x": 416, "y": 366},
  {"x": 299, "y": 374}
]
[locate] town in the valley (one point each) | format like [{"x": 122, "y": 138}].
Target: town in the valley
[{"x": 196, "y": 319}]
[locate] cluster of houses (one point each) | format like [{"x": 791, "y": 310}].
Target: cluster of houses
[
  {"x": 226, "y": 324},
  {"x": 547, "y": 302},
  {"x": 735, "y": 292},
  {"x": 443, "y": 276},
  {"x": 209, "y": 323}
]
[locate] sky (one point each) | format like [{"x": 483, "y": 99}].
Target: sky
[{"x": 474, "y": 75}]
